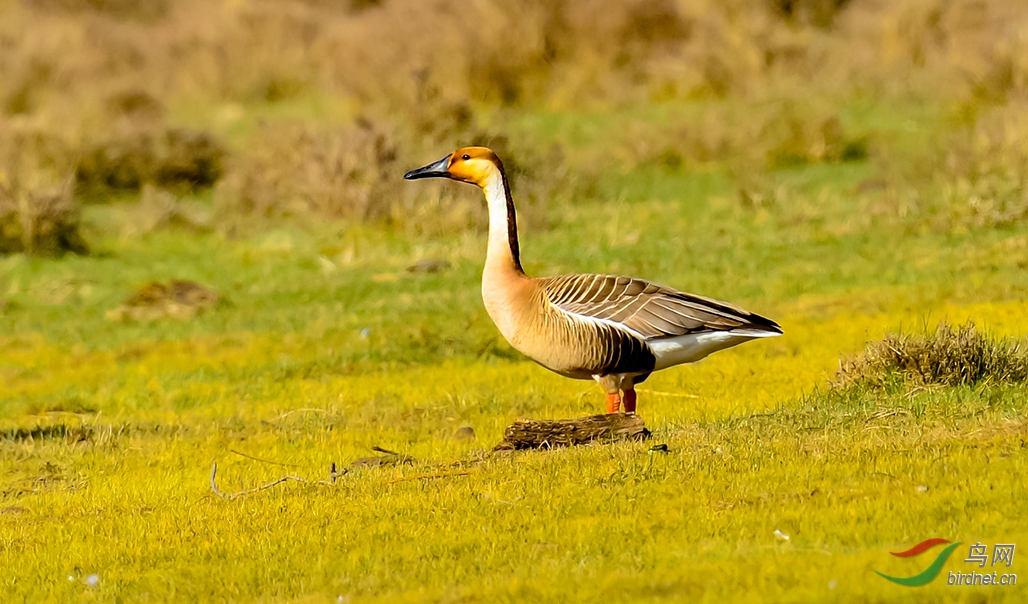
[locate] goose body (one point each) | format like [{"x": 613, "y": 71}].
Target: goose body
[{"x": 613, "y": 329}]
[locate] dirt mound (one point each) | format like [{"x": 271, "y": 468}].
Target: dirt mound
[{"x": 176, "y": 298}]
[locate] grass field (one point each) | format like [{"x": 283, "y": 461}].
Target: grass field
[{"x": 846, "y": 213}]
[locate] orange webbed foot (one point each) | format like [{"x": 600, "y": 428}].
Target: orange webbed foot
[{"x": 613, "y": 402}]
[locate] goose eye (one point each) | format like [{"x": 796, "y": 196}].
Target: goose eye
[{"x": 465, "y": 157}]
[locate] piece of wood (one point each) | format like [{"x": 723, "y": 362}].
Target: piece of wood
[{"x": 546, "y": 434}]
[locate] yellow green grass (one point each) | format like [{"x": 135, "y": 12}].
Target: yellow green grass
[
  {"x": 849, "y": 169},
  {"x": 109, "y": 429}
]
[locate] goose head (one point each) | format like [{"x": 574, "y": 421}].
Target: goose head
[{"x": 475, "y": 165}]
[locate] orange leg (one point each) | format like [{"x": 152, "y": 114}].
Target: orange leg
[
  {"x": 613, "y": 402},
  {"x": 629, "y": 401}
]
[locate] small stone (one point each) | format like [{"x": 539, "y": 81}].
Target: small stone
[
  {"x": 781, "y": 535},
  {"x": 921, "y": 488},
  {"x": 464, "y": 433}
]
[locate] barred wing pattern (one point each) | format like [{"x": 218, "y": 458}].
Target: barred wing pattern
[{"x": 647, "y": 309}]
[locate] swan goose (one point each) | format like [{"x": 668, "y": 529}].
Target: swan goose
[{"x": 615, "y": 330}]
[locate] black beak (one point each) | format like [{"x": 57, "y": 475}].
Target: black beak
[{"x": 436, "y": 169}]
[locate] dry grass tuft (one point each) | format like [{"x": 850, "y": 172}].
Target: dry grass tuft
[
  {"x": 132, "y": 157},
  {"x": 38, "y": 213},
  {"x": 42, "y": 221},
  {"x": 799, "y": 137},
  {"x": 295, "y": 170},
  {"x": 821, "y": 13},
  {"x": 961, "y": 356}
]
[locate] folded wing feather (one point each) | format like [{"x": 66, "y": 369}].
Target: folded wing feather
[{"x": 652, "y": 311}]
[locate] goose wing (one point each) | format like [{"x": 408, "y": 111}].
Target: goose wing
[{"x": 652, "y": 311}]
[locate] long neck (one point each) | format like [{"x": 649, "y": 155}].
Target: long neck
[{"x": 503, "y": 253}]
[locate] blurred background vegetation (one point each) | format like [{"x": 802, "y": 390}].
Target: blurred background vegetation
[{"x": 234, "y": 115}]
